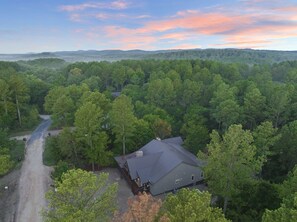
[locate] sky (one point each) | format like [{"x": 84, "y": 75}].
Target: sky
[{"x": 68, "y": 25}]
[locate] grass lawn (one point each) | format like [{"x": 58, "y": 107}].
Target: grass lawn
[{"x": 20, "y": 133}]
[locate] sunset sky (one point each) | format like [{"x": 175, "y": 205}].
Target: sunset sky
[{"x": 58, "y": 25}]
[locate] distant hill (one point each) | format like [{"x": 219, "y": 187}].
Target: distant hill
[{"x": 224, "y": 55}]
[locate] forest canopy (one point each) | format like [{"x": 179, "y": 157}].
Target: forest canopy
[{"x": 107, "y": 108}]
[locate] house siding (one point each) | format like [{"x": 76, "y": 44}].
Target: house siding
[{"x": 179, "y": 177}]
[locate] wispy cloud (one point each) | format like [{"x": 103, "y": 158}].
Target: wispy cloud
[
  {"x": 119, "y": 4},
  {"x": 186, "y": 46},
  {"x": 253, "y": 25},
  {"x": 75, "y": 17}
]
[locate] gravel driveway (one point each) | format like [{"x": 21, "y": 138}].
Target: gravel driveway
[{"x": 34, "y": 179}]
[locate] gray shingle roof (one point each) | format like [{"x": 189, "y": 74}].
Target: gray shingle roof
[{"x": 159, "y": 158}]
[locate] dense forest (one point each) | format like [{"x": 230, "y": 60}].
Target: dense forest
[{"x": 240, "y": 118}]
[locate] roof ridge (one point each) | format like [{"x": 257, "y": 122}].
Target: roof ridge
[{"x": 179, "y": 150}]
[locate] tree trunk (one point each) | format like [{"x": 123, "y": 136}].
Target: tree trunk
[
  {"x": 18, "y": 109},
  {"x": 5, "y": 107},
  {"x": 225, "y": 204},
  {"x": 75, "y": 152},
  {"x": 91, "y": 145},
  {"x": 93, "y": 166},
  {"x": 124, "y": 145}
]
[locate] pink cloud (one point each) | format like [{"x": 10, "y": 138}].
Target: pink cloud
[
  {"x": 72, "y": 8},
  {"x": 101, "y": 16},
  {"x": 253, "y": 27},
  {"x": 120, "y": 4},
  {"x": 76, "y": 17},
  {"x": 187, "y": 46},
  {"x": 176, "y": 36}
]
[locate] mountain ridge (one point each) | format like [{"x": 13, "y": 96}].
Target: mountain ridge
[{"x": 251, "y": 56}]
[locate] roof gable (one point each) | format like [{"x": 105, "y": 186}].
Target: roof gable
[{"x": 159, "y": 158}]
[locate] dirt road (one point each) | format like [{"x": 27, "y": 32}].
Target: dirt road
[{"x": 34, "y": 180}]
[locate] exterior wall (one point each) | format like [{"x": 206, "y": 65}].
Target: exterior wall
[{"x": 179, "y": 177}]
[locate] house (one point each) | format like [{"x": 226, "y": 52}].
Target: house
[{"x": 161, "y": 166}]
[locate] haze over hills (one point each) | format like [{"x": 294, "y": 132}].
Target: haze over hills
[{"x": 224, "y": 55}]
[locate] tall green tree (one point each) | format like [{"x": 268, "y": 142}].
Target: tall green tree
[
  {"x": 161, "y": 93},
  {"x": 197, "y": 136},
  {"x": 122, "y": 119},
  {"x": 69, "y": 147},
  {"x": 191, "y": 93},
  {"x": 289, "y": 187},
  {"x": 191, "y": 206},
  {"x": 265, "y": 137},
  {"x": 224, "y": 107},
  {"x": 288, "y": 209},
  {"x": 63, "y": 111},
  {"x": 231, "y": 162},
  {"x": 81, "y": 196},
  {"x": 252, "y": 201},
  {"x": 284, "y": 154},
  {"x": 88, "y": 123},
  {"x": 53, "y": 95},
  {"x": 19, "y": 92},
  {"x": 253, "y": 106},
  {"x": 4, "y": 94},
  {"x": 286, "y": 213},
  {"x": 278, "y": 101}
]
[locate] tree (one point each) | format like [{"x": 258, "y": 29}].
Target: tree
[
  {"x": 19, "y": 92},
  {"x": 191, "y": 93},
  {"x": 38, "y": 91},
  {"x": 53, "y": 95},
  {"x": 265, "y": 136},
  {"x": 252, "y": 201},
  {"x": 161, "y": 128},
  {"x": 225, "y": 109},
  {"x": 289, "y": 185},
  {"x": 288, "y": 209},
  {"x": 63, "y": 111},
  {"x": 97, "y": 98},
  {"x": 142, "y": 134},
  {"x": 191, "y": 206},
  {"x": 278, "y": 101},
  {"x": 197, "y": 136},
  {"x": 88, "y": 123},
  {"x": 284, "y": 154},
  {"x": 253, "y": 106},
  {"x": 68, "y": 146},
  {"x": 119, "y": 76},
  {"x": 81, "y": 196},
  {"x": 61, "y": 168},
  {"x": 286, "y": 213},
  {"x": 195, "y": 129},
  {"x": 4, "y": 94},
  {"x": 122, "y": 119},
  {"x": 161, "y": 93},
  {"x": 231, "y": 162},
  {"x": 142, "y": 207}
]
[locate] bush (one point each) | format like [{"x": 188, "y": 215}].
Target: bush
[
  {"x": 5, "y": 164},
  {"x": 51, "y": 154},
  {"x": 59, "y": 169}
]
